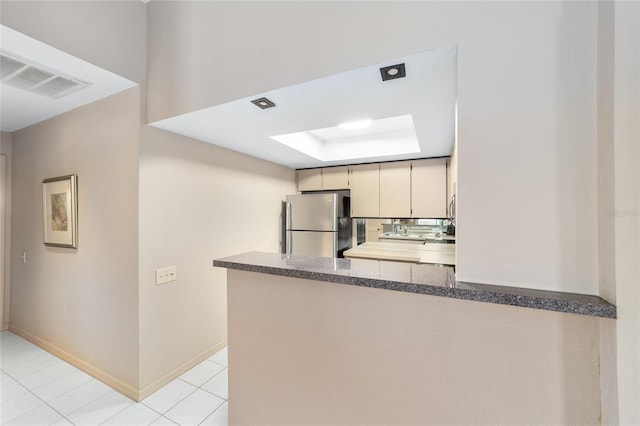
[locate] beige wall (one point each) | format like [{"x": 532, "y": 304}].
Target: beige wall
[
  {"x": 606, "y": 186},
  {"x": 309, "y": 352},
  {"x": 5, "y": 259},
  {"x": 254, "y": 46},
  {"x": 535, "y": 127},
  {"x": 606, "y": 165},
  {"x": 3, "y": 166},
  {"x": 210, "y": 188},
  {"x": 526, "y": 106},
  {"x": 619, "y": 206},
  {"x": 198, "y": 202},
  {"x": 83, "y": 302},
  {"x": 109, "y": 34},
  {"x": 530, "y": 82}
]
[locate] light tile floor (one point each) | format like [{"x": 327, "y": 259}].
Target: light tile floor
[{"x": 39, "y": 389}]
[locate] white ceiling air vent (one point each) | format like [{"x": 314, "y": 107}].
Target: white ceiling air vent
[{"x": 23, "y": 74}]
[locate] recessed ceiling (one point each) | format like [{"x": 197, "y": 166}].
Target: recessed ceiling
[
  {"x": 356, "y": 140},
  {"x": 427, "y": 95},
  {"x": 21, "y": 107}
]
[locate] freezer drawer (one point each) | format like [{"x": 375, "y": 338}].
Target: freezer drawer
[{"x": 312, "y": 243}]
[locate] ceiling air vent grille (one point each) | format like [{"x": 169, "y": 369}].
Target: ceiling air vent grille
[{"x": 22, "y": 74}]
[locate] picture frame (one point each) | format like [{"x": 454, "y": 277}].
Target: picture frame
[{"x": 60, "y": 211}]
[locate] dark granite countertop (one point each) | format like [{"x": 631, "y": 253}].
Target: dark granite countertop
[{"x": 413, "y": 278}]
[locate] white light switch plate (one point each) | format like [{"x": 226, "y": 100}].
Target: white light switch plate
[{"x": 166, "y": 275}]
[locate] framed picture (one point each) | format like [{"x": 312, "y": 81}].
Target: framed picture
[{"x": 60, "y": 211}]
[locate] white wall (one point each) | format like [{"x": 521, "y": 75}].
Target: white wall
[
  {"x": 81, "y": 303},
  {"x": 239, "y": 49},
  {"x": 526, "y": 104},
  {"x": 527, "y": 149},
  {"x": 198, "y": 202},
  {"x": 626, "y": 214}
]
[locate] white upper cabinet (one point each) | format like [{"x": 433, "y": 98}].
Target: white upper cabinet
[
  {"x": 326, "y": 179},
  {"x": 395, "y": 189},
  {"x": 365, "y": 190},
  {"x": 309, "y": 180},
  {"x": 429, "y": 188},
  {"x": 334, "y": 178}
]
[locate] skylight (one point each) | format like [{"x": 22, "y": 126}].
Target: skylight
[{"x": 386, "y": 136}]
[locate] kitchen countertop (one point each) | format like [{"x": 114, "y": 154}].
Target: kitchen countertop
[
  {"x": 413, "y": 278},
  {"x": 434, "y": 253},
  {"x": 446, "y": 239}
]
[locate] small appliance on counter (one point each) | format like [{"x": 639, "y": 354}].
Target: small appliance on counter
[
  {"x": 318, "y": 224},
  {"x": 451, "y": 230},
  {"x": 451, "y": 227}
]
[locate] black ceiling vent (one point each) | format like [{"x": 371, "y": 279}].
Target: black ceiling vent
[
  {"x": 392, "y": 72},
  {"x": 263, "y": 103}
]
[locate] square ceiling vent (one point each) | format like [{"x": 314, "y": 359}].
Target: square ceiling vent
[{"x": 23, "y": 74}]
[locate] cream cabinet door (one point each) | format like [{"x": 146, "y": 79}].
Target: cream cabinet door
[
  {"x": 309, "y": 180},
  {"x": 395, "y": 189},
  {"x": 429, "y": 188},
  {"x": 335, "y": 178},
  {"x": 365, "y": 190}
]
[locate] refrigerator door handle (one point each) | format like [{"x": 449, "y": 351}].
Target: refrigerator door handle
[
  {"x": 288, "y": 215},
  {"x": 289, "y": 243}
]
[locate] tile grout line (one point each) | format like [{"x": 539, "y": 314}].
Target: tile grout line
[
  {"x": 170, "y": 408},
  {"x": 43, "y": 401},
  {"x": 219, "y": 372},
  {"x": 194, "y": 390},
  {"x": 88, "y": 402},
  {"x": 70, "y": 390},
  {"x": 225, "y": 400},
  {"x": 200, "y": 388},
  {"x": 162, "y": 415},
  {"x": 129, "y": 406}
]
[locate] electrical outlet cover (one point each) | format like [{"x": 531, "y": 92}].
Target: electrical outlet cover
[{"x": 166, "y": 275}]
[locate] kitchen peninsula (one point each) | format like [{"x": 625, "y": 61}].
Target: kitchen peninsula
[{"x": 355, "y": 341}]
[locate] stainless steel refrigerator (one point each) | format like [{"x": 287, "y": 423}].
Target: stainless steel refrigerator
[{"x": 318, "y": 224}]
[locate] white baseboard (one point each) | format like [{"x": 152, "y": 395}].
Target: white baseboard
[
  {"x": 175, "y": 373},
  {"x": 106, "y": 378}
]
